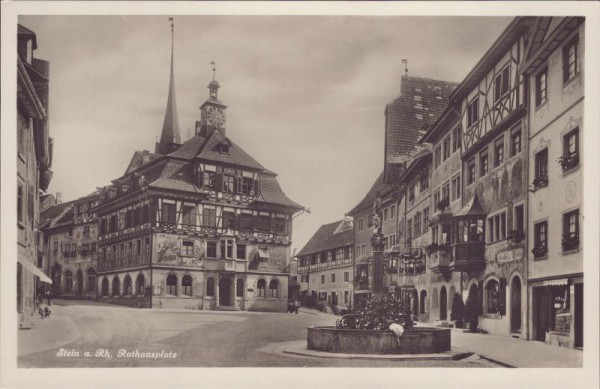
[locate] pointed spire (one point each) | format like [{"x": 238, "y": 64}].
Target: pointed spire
[{"x": 170, "y": 131}]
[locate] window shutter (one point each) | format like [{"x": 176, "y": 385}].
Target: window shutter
[{"x": 502, "y": 297}]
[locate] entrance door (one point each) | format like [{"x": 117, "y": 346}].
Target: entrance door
[
  {"x": 225, "y": 291},
  {"x": 540, "y": 313},
  {"x": 578, "y": 315},
  {"x": 443, "y": 304},
  {"x": 515, "y": 306}
]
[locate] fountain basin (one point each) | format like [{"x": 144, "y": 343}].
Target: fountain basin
[{"x": 416, "y": 340}]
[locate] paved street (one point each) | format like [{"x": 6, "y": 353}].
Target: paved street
[{"x": 198, "y": 338}]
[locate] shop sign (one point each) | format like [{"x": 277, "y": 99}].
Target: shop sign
[{"x": 510, "y": 256}]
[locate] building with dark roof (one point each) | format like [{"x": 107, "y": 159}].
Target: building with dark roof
[
  {"x": 325, "y": 265},
  {"x": 71, "y": 235},
  {"x": 34, "y": 160},
  {"x": 198, "y": 225}
]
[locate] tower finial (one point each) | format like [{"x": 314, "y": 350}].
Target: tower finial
[
  {"x": 405, "y": 62},
  {"x": 214, "y": 69}
]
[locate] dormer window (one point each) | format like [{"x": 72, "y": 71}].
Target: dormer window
[{"x": 224, "y": 148}]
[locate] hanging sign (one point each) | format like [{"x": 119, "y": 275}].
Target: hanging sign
[{"x": 510, "y": 256}]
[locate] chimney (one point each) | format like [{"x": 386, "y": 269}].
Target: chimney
[
  {"x": 145, "y": 157},
  {"x": 58, "y": 198}
]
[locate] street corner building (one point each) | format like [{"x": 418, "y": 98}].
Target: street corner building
[
  {"x": 198, "y": 225},
  {"x": 34, "y": 160},
  {"x": 325, "y": 266}
]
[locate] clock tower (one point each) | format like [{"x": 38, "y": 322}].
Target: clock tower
[{"x": 212, "y": 112}]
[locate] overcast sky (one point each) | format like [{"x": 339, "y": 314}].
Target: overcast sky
[{"x": 306, "y": 94}]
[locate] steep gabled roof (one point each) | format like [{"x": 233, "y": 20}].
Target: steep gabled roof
[
  {"x": 141, "y": 158},
  {"x": 367, "y": 201},
  {"x": 326, "y": 239},
  {"x": 175, "y": 175},
  {"x": 52, "y": 214},
  {"x": 236, "y": 155},
  {"x": 270, "y": 192}
]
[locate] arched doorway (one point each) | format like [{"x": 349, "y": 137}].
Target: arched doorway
[
  {"x": 515, "y": 305},
  {"x": 91, "y": 280},
  {"x": 140, "y": 282},
  {"x": 443, "y": 304},
  {"x": 415, "y": 302},
  {"x": 225, "y": 292},
  {"x": 79, "y": 282},
  {"x": 116, "y": 287},
  {"x": 127, "y": 286},
  {"x": 105, "y": 287},
  {"x": 422, "y": 301},
  {"x": 56, "y": 275}
]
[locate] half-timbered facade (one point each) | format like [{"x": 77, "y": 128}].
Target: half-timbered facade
[
  {"x": 554, "y": 63},
  {"x": 325, "y": 266},
  {"x": 488, "y": 232},
  {"x": 198, "y": 225}
]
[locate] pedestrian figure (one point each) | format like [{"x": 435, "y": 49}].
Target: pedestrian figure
[
  {"x": 48, "y": 297},
  {"x": 296, "y": 306}
]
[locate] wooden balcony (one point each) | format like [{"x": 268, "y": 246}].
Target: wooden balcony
[{"x": 468, "y": 256}]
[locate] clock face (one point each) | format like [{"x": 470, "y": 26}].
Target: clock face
[{"x": 215, "y": 116}]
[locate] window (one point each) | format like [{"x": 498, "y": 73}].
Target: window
[
  {"x": 273, "y": 288},
  {"x": 571, "y": 59},
  {"x": 263, "y": 223},
  {"x": 148, "y": 251},
  {"x": 239, "y": 288},
  {"x": 247, "y": 185},
  {"x": 227, "y": 248},
  {"x": 570, "y": 240},
  {"x": 68, "y": 281},
  {"x": 540, "y": 239},
  {"x": 332, "y": 277},
  {"x": 446, "y": 192},
  {"x": 456, "y": 135},
  {"x": 241, "y": 251},
  {"x": 279, "y": 225},
  {"x": 322, "y": 258},
  {"x": 501, "y": 84},
  {"x": 228, "y": 184},
  {"x": 515, "y": 141},
  {"x": 168, "y": 213},
  {"x": 385, "y": 214},
  {"x": 392, "y": 212},
  {"x": 189, "y": 215},
  {"x": 446, "y": 148},
  {"x": 473, "y": 112},
  {"x": 346, "y": 295},
  {"x": 211, "y": 249},
  {"x": 228, "y": 219},
  {"x": 456, "y": 187},
  {"x": 409, "y": 229},
  {"x": 20, "y": 203},
  {"x": 261, "y": 287},
  {"x": 437, "y": 156},
  {"x": 322, "y": 278},
  {"x": 436, "y": 197},
  {"x": 210, "y": 286},
  {"x": 424, "y": 181},
  {"x": 245, "y": 222},
  {"x": 209, "y": 178},
  {"x": 186, "y": 285},
  {"x": 483, "y": 163},
  {"x": 519, "y": 219},
  {"x": 135, "y": 216},
  {"x": 492, "y": 294},
  {"x": 346, "y": 276},
  {"x": 499, "y": 152},
  {"x": 425, "y": 220},
  {"x": 209, "y": 217},
  {"x": 138, "y": 247},
  {"x": 471, "y": 171},
  {"x": 361, "y": 225},
  {"x": 541, "y": 87},
  {"x": 86, "y": 230},
  {"x": 187, "y": 248},
  {"x": 417, "y": 224},
  {"x": 411, "y": 193},
  {"x": 172, "y": 284},
  {"x": 541, "y": 169},
  {"x": 570, "y": 157},
  {"x": 497, "y": 227}
]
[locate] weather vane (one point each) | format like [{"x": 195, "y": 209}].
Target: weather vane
[
  {"x": 405, "y": 62},
  {"x": 214, "y": 69}
]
